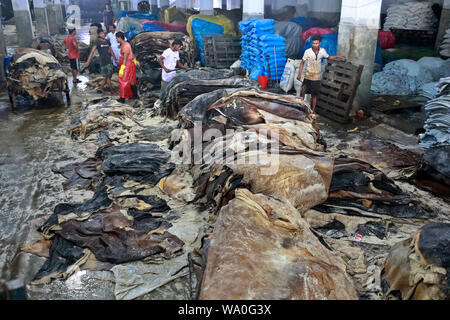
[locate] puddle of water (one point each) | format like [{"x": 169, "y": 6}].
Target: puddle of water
[{"x": 32, "y": 139}]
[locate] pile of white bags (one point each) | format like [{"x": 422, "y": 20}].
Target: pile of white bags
[
  {"x": 437, "y": 125},
  {"x": 428, "y": 90},
  {"x": 289, "y": 74},
  {"x": 404, "y": 76},
  {"x": 437, "y": 67},
  {"x": 411, "y": 16}
]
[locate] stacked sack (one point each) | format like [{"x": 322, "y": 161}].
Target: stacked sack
[
  {"x": 263, "y": 51},
  {"x": 410, "y": 16},
  {"x": 437, "y": 125}
]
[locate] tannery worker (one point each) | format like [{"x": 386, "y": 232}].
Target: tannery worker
[
  {"x": 313, "y": 57},
  {"x": 168, "y": 61},
  {"x": 106, "y": 67},
  {"x": 74, "y": 55},
  {"x": 108, "y": 16},
  {"x": 127, "y": 72},
  {"x": 114, "y": 44}
]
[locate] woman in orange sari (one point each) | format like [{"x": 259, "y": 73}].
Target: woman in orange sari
[{"x": 127, "y": 72}]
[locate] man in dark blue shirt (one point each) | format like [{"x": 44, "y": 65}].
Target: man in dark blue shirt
[{"x": 108, "y": 16}]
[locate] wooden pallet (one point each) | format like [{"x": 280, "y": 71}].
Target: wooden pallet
[
  {"x": 414, "y": 37},
  {"x": 221, "y": 50},
  {"x": 338, "y": 89}
]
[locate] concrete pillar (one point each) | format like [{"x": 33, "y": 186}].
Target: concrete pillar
[
  {"x": 357, "y": 40},
  {"x": 252, "y": 9},
  {"x": 59, "y": 14},
  {"x": 207, "y": 7},
  {"x": 153, "y": 6},
  {"x": 133, "y": 5},
  {"x": 124, "y": 5},
  {"x": 40, "y": 12},
  {"x": 24, "y": 25},
  {"x": 444, "y": 23},
  {"x": 233, "y": 4},
  {"x": 163, "y": 4},
  {"x": 52, "y": 18}
]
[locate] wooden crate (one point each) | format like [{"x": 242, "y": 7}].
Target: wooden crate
[
  {"x": 415, "y": 37},
  {"x": 221, "y": 50},
  {"x": 338, "y": 89}
]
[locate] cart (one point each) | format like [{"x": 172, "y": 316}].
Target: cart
[{"x": 15, "y": 88}]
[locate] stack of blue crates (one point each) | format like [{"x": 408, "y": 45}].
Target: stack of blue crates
[{"x": 263, "y": 51}]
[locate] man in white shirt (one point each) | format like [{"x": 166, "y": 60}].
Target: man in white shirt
[
  {"x": 169, "y": 60},
  {"x": 311, "y": 83},
  {"x": 111, "y": 37}
]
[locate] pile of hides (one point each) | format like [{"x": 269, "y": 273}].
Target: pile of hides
[
  {"x": 152, "y": 25},
  {"x": 393, "y": 161},
  {"x": 292, "y": 33},
  {"x": 410, "y": 16},
  {"x": 120, "y": 223},
  {"x": 260, "y": 213},
  {"x": 401, "y": 77},
  {"x": 263, "y": 51},
  {"x": 437, "y": 124},
  {"x": 84, "y": 51},
  {"x": 98, "y": 115},
  {"x": 359, "y": 189},
  {"x": 187, "y": 85},
  {"x": 148, "y": 47},
  {"x": 261, "y": 248},
  {"x": 444, "y": 49},
  {"x": 199, "y": 25},
  {"x": 434, "y": 173},
  {"x": 97, "y": 81},
  {"x": 35, "y": 72},
  {"x": 418, "y": 268},
  {"x": 56, "y": 48}
]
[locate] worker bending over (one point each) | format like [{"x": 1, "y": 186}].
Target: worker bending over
[
  {"x": 168, "y": 62},
  {"x": 313, "y": 57}
]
